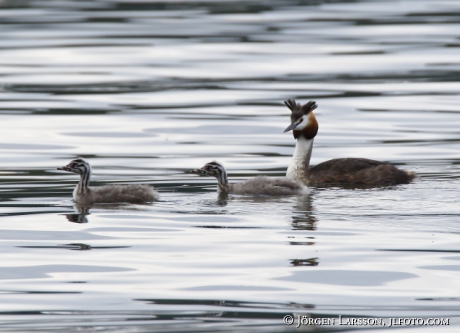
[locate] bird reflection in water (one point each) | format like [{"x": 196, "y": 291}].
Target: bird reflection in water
[
  {"x": 303, "y": 217},
  {"x": 222, "y": 199},
  {"x": 80, "y": 215},
  {"x": 305, "y": 262}
]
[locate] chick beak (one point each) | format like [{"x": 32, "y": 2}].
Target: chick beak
[
  {"x": 65, "y": 168},
  {"x": 201, "y": 172}
]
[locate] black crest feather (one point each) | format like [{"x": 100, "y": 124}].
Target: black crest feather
[{"x": 305, "y": 109}]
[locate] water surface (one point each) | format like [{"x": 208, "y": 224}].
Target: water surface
[{"x": 146, "y": 91}]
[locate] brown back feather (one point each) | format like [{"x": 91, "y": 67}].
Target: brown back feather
[{"x": 358, "y": 171}]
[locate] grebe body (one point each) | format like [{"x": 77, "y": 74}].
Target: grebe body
[
  {"x": 84, "y": 194},
  {"x": 259, "y": 185},
  {"x": 336, "y": 171}
]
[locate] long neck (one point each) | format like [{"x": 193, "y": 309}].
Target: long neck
[
  {"x": 299, "y": 168},
  {"x": 222, "y": 182},
  {"x": 83, "y": 185}
]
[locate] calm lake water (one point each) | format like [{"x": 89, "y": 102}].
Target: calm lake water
[{"x": 148, "y": 90}]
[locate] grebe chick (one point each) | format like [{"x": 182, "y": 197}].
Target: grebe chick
[
  {"x": 336, "y": 171},
  {"x": 258, "y": 185},
  {"x": 84, "y": 194}
]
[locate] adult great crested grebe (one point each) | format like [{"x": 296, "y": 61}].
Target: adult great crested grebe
[
  {"x": 84, "y": 194},
  {"x": 258, "y": 185},
  {"x": 336, "y": 171}
]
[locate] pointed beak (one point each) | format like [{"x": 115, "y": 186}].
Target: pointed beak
[
  {"x": 65, "y": 168},
  {"x": 201, "y": 172},
  {"x": 291, "y": 127}
]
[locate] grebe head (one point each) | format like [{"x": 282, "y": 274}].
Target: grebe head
[
  {"x": 78, "y": 165},
  {"x": 213, "y": 169},
  {"x": 303, "y": 121}
]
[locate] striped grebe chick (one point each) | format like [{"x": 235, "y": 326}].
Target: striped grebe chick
[
  {"x": 259, "y": 185},
  {"x": 336, "y": 171},
  {"x": 84, "y": 194}
]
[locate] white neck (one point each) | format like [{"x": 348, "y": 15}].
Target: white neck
[{"x": 299, "y": 168}]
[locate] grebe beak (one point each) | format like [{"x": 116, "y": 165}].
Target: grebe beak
[
  {"x": 65, "y": 168},
  {"x": 291, "y": 127},
  {"x": 201, "y": 172}
]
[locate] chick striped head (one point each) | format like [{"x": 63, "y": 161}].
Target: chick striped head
[
  {"x": 78, "y": 165},
  {"x": 213, "y": 169}
]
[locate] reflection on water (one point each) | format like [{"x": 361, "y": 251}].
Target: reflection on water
[
  {"x": 305, "y": 262},
  {"x": 149, "y": 90},
  {"x": 303, "y": 217},
  {"x": 74, "y": 246},
  {"x": 77, "y": 218},
  {"x": 81, "y": 215}
]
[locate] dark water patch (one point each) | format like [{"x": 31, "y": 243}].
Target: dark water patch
[
  {"x": 72, "y": 111},
  {"x": 437, "y": 75},
  {"x": 101, "y": 88},
  {"x": 302, "y": 243},
  {"x": 74, "y": 247},
  {"x": 358, "y": 53},
  {"x": 440, "y": 299},
  {"x": 410, "y": 19},
  {"x": 224, "y": 303}
]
